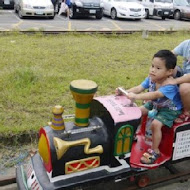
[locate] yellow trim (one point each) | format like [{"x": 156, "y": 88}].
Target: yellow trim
[
  {"x": 43, "y": 148},
  {"x": 119, "y": 146},
  {"x": 83, "y": 162},
  {"x": 82, "y": 113},
  {"x": 57, "y": 128},
  {"x": 82, "y": 98},
  {"x": 62, "y": 146}
]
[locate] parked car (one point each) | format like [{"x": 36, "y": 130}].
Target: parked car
[
  {"x": 86, "y": 8},
  {"x": 158, "y": 8},
  {"x": 7, "y": 4},
  {"x": 181, "y": 9},
  {"x": 34, "y": 8},
  {"x": 130, "y": 9}
]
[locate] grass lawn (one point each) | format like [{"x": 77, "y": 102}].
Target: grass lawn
[{"x": 36, "y": 70}]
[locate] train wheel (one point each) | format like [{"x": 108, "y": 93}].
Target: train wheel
[
  {"x": 132, "y": 178},
  {"x": 143, "y": 180}
]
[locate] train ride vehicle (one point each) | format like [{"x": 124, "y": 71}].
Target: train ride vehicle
[{"x": 98, "y": 145}]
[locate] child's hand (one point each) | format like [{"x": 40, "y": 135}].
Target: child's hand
[
  {"x": 117, "y": 92},
  {"x": 131, "y": 96},
  {"x": 120, "y": 91}
]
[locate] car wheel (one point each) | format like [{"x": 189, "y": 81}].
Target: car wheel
[
  {"x": 72, "y": 13},
  {"x": 51, "y": 17},
  {"x": 99, "y": 15},
  {"x": 146, "y": 14},
  {"x": 177, "y": 15},
  {"x": 113, "y": 13},
  {"x": 20, "y": 14}
]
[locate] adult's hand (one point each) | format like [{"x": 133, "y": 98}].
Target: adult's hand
[{"x": 171, "y": 81}]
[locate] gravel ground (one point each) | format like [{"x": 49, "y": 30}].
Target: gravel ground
[{"x": 10, "y": 156}]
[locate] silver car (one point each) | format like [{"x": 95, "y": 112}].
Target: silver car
[
  {"x": 34, "y": 8},
  {"x": 181, "y": 9}
]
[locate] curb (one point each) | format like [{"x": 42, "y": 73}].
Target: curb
[
  {"x": 12, "y": 186},
  {"x": 7, "y": 180}
]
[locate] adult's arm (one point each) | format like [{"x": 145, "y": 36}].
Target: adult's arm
[
  {"x": 179, "y": 80},
  {"x": 182, "y": 48},
  {"x": 183, "y": 79},
  {"x": 174, "y": 53}
]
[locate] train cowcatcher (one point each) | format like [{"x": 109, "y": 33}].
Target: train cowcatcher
[{"x": 98, "y": 144}]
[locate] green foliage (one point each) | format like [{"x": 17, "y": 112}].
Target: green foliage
[{"x": 36, "y": 70}]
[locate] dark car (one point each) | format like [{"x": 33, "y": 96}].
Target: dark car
[
  {"x": 181, "y": 9},
  {"x": 7, "y": 4},
  {"x": 86, "y": 8}
]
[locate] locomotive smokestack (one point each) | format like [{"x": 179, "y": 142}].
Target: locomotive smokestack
[{"x": 83, "y": 92}]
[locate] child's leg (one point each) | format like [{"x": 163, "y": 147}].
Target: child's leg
[
  {"x": 156, "y": 127},
  {"x": 151, "y": 155},
  {"x": 144, "y": 112}
]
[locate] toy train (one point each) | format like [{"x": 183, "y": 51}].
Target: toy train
[{"x": 98, "y": 144}]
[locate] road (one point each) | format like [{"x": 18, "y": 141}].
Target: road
[{"x": 10, "y": 21}]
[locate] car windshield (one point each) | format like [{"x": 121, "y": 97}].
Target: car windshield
[
  {"x": 126, "y": 0},
  {"x": 164, "y": 1},
  {"x": 181, "y": 2}
]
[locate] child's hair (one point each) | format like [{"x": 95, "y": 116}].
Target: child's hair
[{"x": 169, "y": 58}]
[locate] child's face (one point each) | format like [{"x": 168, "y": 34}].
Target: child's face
[{"x": 158, "y": 70}]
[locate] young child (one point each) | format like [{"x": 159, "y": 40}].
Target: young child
[{"x": 164, "y": 103}]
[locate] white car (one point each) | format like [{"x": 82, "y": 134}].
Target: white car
[
  {"x": 34, "y": 8},
  {"x": 129, "y": 9}
]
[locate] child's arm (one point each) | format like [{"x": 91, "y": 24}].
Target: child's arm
[
  {"x": 145, "y": 96},
  {"x": 137, "y": 89}
]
